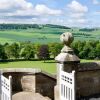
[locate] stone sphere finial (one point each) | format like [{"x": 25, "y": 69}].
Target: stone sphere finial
[
  {"x": 67, "y": 38},
  {"x": 67, "y": 53}
]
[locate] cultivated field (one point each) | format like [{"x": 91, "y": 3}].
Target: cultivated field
[{"x": 45, "y": 35}]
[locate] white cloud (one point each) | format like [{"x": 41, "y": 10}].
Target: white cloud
[
  {"x": 98, "y": 12},
  {"x": 77, "y": 12},
  {"x": 96, "y": 2},
  {"x": 8, "y": 4},
  {"x": 23, "y": 10},
  {"x": 24, "y": 7},
  {"x": 77, "y": 7},
  {"x": 43, "y": 9},
  {"x": 15, "y": 8},
  {"x": 82, "y": 21},
  {"x": 17, "y": 20},
  {"x": 78, "y": 21},
  {"x": 77, "y": 15},
  {"x": 41, "y": 20},
  {"x": 46, "y": 20}
]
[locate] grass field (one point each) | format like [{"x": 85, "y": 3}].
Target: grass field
[
  {"x": 45, "y": 35},
  {"x": 48, "y": 66}
]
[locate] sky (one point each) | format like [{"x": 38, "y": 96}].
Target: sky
[{"x": 73, "y": 13}]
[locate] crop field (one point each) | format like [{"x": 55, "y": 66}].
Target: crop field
[
  {"x": 44, "y": 35},
  {"x": 49, "y": 66}
]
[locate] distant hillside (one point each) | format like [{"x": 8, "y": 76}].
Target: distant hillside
[
  {"x": 88, "y": 29},
  {"x": 26, "y": 26},
  {"x": 18, "y": 26},
  {"x": 56, "y": 26},
  {"x": 47, "y": 33}
]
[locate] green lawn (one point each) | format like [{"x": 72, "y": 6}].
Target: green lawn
[
  {"x": 84, "y": 60},
  {"x": 48, "y": 66}
]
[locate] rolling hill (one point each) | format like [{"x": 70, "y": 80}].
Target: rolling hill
[{"x": 43, "y": 33}]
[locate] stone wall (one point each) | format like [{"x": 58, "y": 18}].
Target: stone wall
[
  {"x": 88, "y": 79},
  {"x": 17, "y": 85},
  {"x": 56, "y": 93},
  {"x": 17, "y": 74},
  {"x": 45, "y": 85},
  {"x": 88, "y": 83},
  {"x": 40, "y": 82}
]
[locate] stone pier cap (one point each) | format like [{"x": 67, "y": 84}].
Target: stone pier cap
[{"x": 67, "y": 54}]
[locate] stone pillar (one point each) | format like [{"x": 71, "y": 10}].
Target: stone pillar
[{"x": 66, "y": 60}]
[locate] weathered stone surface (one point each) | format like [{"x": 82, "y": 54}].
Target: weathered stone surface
[
  {"x": 28, "y": 96},
  {"x": 67, "y": 57},
  {"x": 66, "y": 38},
  {"x": 45, "y": 85},
  {"x": 33, "y": 70},
  {"x": 67, "y": 53},
  {"x": 56, "y": 93},
  {"x": 88, "y": 79},
  {"x": 88, "y": 66},
  {"x": 28, "y": 83}
]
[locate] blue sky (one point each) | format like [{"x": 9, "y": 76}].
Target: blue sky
[{"x": 74, "y": 13}]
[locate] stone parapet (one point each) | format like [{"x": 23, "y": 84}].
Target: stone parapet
[
  {"x": 31, "y": 70},
  {"x": 56, "y": 93}
]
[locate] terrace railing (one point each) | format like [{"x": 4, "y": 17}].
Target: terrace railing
[
  {"x": 6, "y": 89},
  {"x": 67, "y": 86}
]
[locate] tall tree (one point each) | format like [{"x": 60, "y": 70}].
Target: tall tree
[
  {"x": 98, "y": 50},
  {"x": 2, "y": 52},
  {"x": 44, "y": 52},
  {"x": 55, "y": 48},
  {"x": 27, "y": 52},
  {"x": 12, "y": 50}
]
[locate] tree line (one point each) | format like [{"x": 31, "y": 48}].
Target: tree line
[
  {"x": 18, "y": 26},
  {"x": 28, "y": 50},
  {"x": 56, "y": 26},
  {"x": 87, "y": 49},
  {"x": 87, "y": 29},
  {"x": 27, "y": 26}
]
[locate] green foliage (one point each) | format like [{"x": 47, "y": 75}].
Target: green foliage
[
  {"x": 42, "y": 34},
  {"x": 18, "y": 26},
  {"x": 12, "y": 50},
  {"x": 55, "y": 48},
  {"x": 36, "y": 48},
  {"x": 74, "y": 45},
  {"x": 87, "y": 49},
  {"x": 2, "y": 52},
  {"x": 43, "y": 52},
  {"x": 98, "y": 50},
  {"x": 87, "y": 29},
  {"x": 27, "y": 52},
  {"x": 56, "y": 26}
]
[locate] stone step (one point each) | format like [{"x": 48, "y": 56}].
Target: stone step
[
  {"x": 47, "y": 98},
  {"x": 29, "y": 96}
]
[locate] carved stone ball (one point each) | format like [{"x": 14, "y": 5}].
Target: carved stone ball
[{"x": 67, "y": 38}]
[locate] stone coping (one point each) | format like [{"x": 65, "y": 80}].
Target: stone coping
[
  {"x": 89, "y": 66},
  {"x": 49, "y": 75},
  {"x": 30, "y": 70}
]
